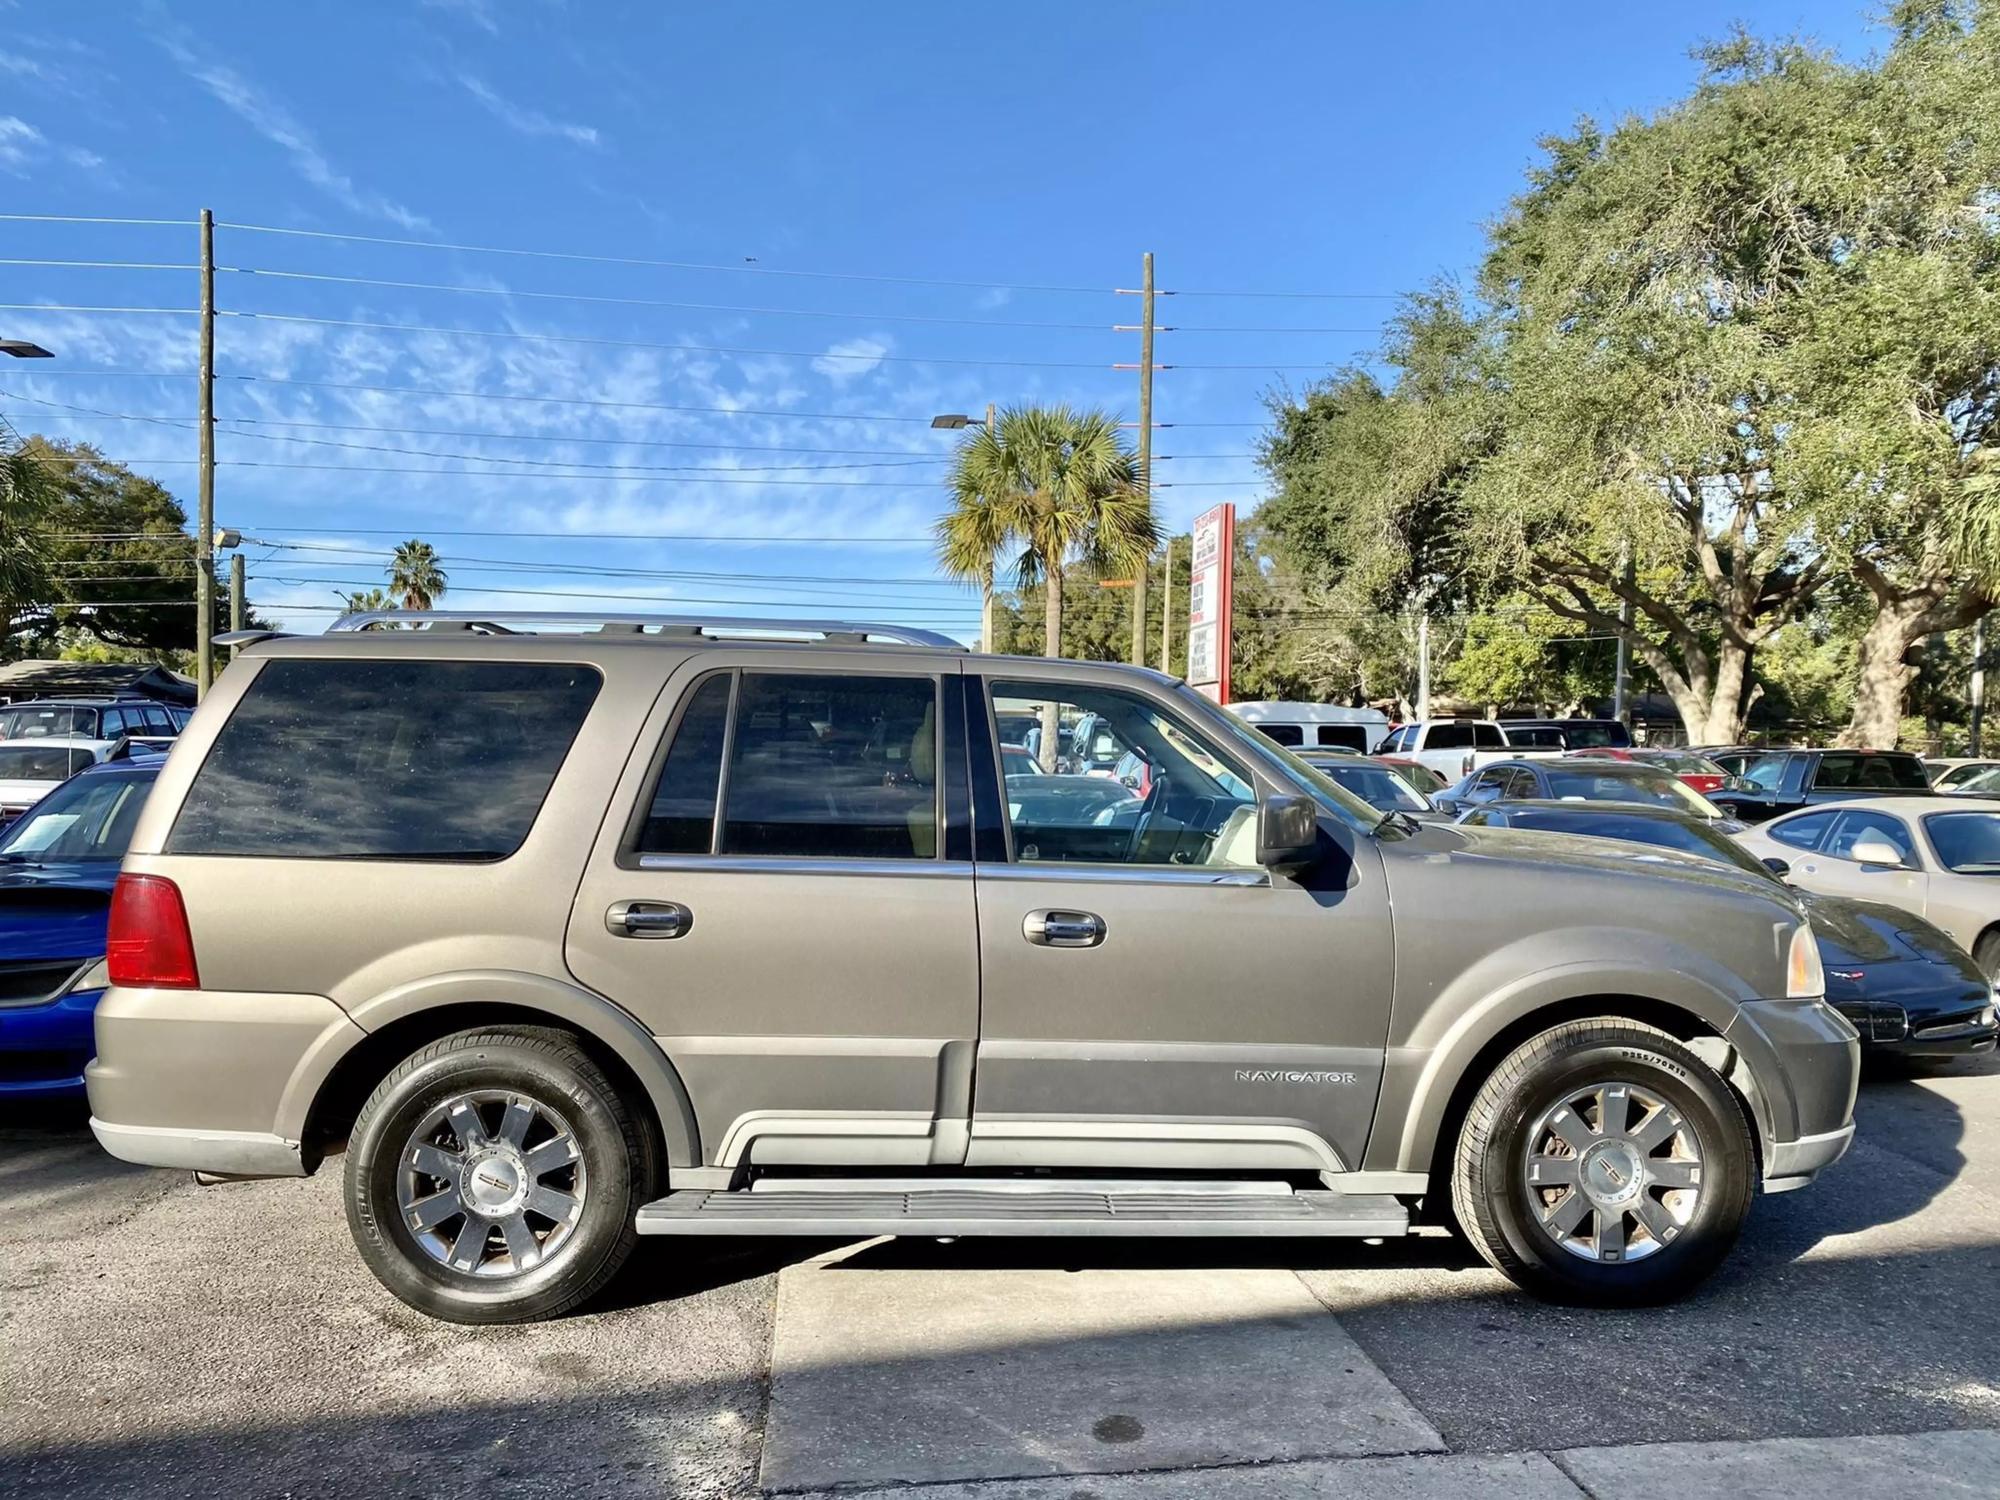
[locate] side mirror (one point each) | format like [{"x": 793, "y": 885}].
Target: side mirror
[
  {"x": 1287, "y": 833},
  {"x": 1778, "y": 867},
  {"x": 1878, "y": 852}
]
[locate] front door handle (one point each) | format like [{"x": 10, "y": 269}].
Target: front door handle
[
  {"x": 648, "y": 919},
  {"x": 1063, "y": 929}
]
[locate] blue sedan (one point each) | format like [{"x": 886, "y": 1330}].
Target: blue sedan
[{"x": 58, "y": 862}]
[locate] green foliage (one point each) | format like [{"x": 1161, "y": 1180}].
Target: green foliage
[
  {"x": 1057, "y": 487},
  {"x": 415, "y": 576}
]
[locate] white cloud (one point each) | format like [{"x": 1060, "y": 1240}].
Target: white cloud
[
  {"x": 849, "y": 358},
  {"x": 281, "y": 128},
  {"x": 478, "y": 12},
  {"x": 22, "y": 146},
  {"x": 526, "y": 121}
]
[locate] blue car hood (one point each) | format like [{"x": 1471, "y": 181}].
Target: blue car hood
[{"x": 55, "y": 910}]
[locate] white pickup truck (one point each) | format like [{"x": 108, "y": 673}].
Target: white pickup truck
[{"x": 1455, "y": 748}]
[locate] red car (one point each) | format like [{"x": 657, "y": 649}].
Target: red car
[{"x": 1699, "y": 772}]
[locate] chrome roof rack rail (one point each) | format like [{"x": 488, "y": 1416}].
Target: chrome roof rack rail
[
  {"x": 248, "y": 637},
  {"x": 682, "y": 627}
]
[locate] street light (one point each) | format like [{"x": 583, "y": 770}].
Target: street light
[
  {"x": 950, "y": 421},
  {"x": 22, "y": 349}
]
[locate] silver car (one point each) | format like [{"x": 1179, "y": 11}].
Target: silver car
[{"x": 679, "y": 927}]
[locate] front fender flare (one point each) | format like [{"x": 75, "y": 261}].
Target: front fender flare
[
  {"x": 1419, "y": 1081},
  {"x": 573, "y": 1006}
]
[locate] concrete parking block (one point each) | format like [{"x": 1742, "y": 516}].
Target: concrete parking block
[
  {"x": 1937, "y": 1465},
  {"x": 902, "y": 1376},
  {"x": 1475, "y": 1476}
]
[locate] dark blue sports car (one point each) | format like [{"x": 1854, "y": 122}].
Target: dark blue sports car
[{"x": 57, "y": 865}]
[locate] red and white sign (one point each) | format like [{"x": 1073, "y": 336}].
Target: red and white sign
[{"x": 1209, "y": 589}]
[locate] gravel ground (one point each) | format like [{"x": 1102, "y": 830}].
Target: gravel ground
[{"x": 161, "y": 1339}]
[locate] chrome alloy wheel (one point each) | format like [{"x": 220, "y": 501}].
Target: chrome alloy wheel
[
  {"x": 1613, "y": 1172},
  {"x": 491, "y": 1183}
]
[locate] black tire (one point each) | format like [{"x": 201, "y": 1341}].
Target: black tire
[
  {"x": 1499, "y": 1211},
  {"x": 546, "y": 1067},
  {"x": 1986, "y": 953}
]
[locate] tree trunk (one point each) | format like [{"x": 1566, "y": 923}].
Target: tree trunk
[
  {"x": 1882, "y": 675},
  {"x": 1726, "y": 708},
  {"x": 1052, "y": 603},
  {"x": 986, "y": 612}
]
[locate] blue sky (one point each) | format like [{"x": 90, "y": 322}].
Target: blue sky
[{"x": 726, "y": 367}]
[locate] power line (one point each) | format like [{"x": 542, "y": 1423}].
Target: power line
[
  {"x": 67, "y": 307},
  {"x": 666, "y": 265},
  {"x": 104, "y": 265},
  {"x": 872, "y": 358},
  {"x": 89, "y": 219},
  {"x": 718, "y": 307},
  {"x": 640, "y": 536}
]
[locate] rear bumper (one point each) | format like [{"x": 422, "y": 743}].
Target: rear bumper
[
  {"x": 43, "y": 1047},
  {"x": 203, "y": 1079}
]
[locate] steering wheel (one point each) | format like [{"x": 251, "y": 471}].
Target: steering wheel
[{"x": 1147, "y": 804}]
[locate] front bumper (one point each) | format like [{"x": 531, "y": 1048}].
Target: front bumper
[
  {"x": 43, "y": 1047},
  {"x": 203, "y": 1079},
  {"x": 1804, "y": 1063}
]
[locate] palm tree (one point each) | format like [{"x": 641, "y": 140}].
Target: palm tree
[
  {"x": 972, "y": 533},
  {"x": 414, "y": 575},
  {"x": 1062, "y": 484}
]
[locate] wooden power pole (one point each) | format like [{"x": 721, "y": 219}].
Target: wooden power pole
[
  {"x": 204, "y": 538},
  {"x": 1145, "y": 450}
]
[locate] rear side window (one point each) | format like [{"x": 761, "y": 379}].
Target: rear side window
[
  {"x": 434, "y": 760},
  {"x": 1489, "y": 737},
  {"x": 1283, "y": 734},
  {"x": 824, "y": 766},
  {"x": 681, "y": 819},
  {"x": 1344, "y": 736},
  {"x": 1904, "y": 772},
  {"x": 1448, "y": 737}
]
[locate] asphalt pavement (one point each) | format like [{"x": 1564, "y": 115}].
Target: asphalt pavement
[{"x": 160, "y": 1339}]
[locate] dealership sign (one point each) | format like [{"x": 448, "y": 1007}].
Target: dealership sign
[{"x": 1209, "y": 589}]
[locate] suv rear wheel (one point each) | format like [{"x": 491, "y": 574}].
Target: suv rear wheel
[
  {"x": 1604, "y": 1163},
  {"x": 493, "y": 1177}
]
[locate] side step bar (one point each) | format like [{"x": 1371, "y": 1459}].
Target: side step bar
[{"x": 1024, "y": 1207}]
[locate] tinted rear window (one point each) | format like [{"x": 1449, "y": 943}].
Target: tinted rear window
[
  {"x": 1851, "y": 769},
  {"x": 443, "y": 760}
]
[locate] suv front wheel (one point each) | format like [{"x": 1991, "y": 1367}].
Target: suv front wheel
[
  {"x": 1604, "y": 1163},
  {"x": 494, "y": 1176}
]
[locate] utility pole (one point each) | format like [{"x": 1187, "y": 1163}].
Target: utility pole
[
  {"x": 1621, "y": 681},
  {"x": 1978, "y": 682},
  {"x": 1145, "y": 449},
  {"x": 204, "y": 535},
  {"x": 1167, "y": 610},
  {"x": 1424, "y": 662}
]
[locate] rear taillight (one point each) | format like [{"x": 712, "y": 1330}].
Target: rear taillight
[{"x": 149, "y": 945}]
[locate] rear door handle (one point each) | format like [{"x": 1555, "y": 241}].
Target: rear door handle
[
  {"x": 648, "y": 919},
  {"x": 1063, "y": 929}
]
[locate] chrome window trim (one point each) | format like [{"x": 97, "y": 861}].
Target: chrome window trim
[
  {"x": 1113, "y": 874},
  {"x": 788, "y": 864}
]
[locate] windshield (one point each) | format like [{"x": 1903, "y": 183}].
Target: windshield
[
  {"x": 89, "y": 818},
  {"x": 1766, "y": 772},
  {"x": 1323, "y": 789},
  {"x": 1655, "y": 787},
  {"x": 1595, "y": 735},
  {"x": 1378, "y": 786},
  {"x": 1967, "y": 843},
  {"x": 30, "y": 721},
  {"x": 41, "y": 762}
]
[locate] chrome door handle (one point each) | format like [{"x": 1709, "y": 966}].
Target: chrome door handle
[
  {"x": 1063, "y": 929},
  {"x": 648, "y": 919}
]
